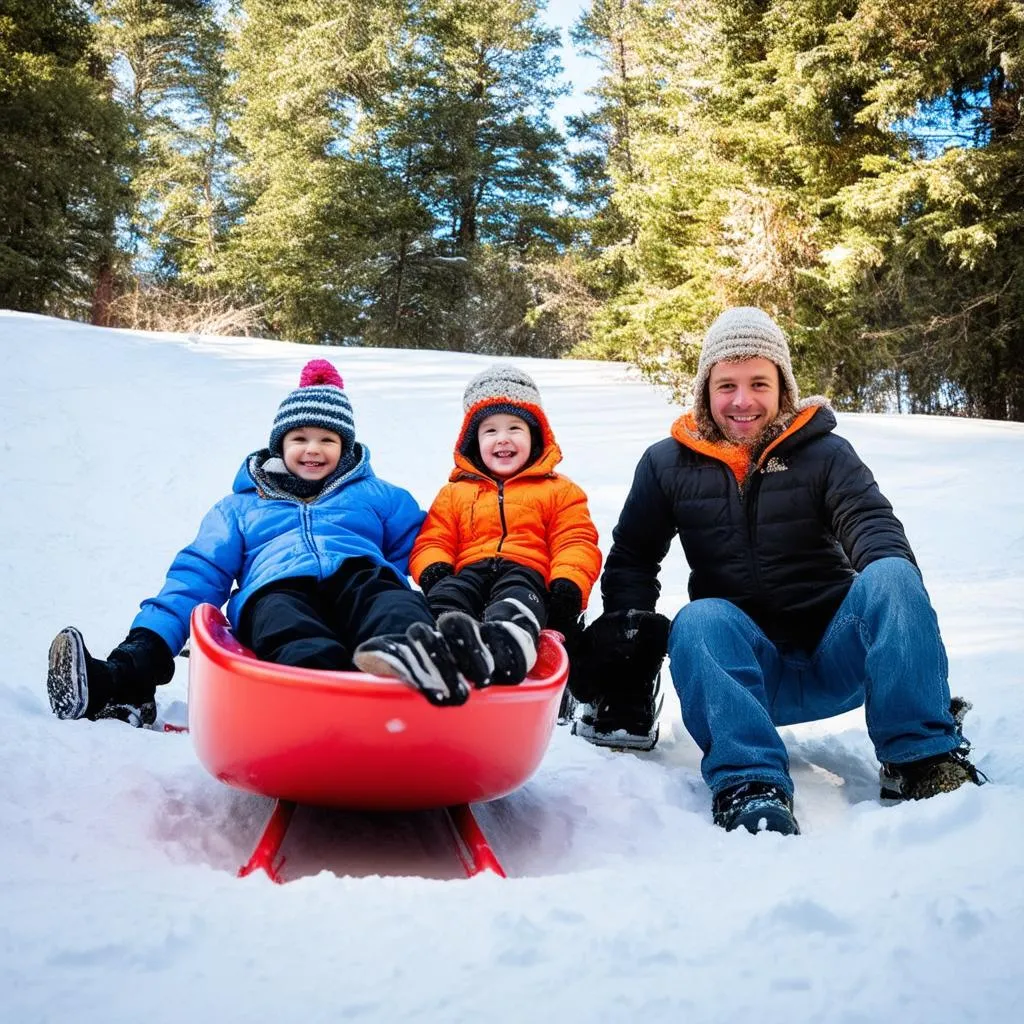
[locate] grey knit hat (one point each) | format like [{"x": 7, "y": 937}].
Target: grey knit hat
[
  {"x": 319, "y": 401},
  {"x": 743, "y": 332},
  {"x": 501, "y": 382}
]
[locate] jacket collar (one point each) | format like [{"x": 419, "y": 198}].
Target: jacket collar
[{"x": 738, "y": 457}]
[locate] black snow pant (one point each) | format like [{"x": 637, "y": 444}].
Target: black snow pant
[
  {"x": 479, "y": 589},
  {"x": 319, "y": 623}
]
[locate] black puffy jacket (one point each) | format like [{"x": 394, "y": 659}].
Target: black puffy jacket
[{"x": 784, "y": 548}]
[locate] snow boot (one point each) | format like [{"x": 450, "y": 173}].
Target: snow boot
[
  {"x": 510, "y": 631},
  {"x": 625, "y": 720},
  {"x": 420, "y": 657},
  {"x": 755, "y": 806},
  {"x": 81, "y": 686},
  {"x": 499, "y": 651},
  {"x": 929, "y": 776},
  {"x": 462, "y": 634}
]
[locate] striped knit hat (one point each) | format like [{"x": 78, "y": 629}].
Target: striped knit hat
[
  {"x": 743, "y": 332},
  {"x": 319, "y": 401}
]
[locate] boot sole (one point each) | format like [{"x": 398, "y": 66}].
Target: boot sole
[
  {"x": 462, "y": 634},
  {"x": 66, "y": 678},
  {"x": 620, "y": 739}
]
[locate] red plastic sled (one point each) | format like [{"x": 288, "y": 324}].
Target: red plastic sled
[{"x": 362, "y": 742}]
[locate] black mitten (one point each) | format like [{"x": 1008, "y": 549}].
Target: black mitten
[
  {"x": 434, "y": 573},
  {"x": 565, "y": 605},
  {"x": 619, "y": 652}
]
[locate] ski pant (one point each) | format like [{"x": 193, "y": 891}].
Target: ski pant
[
  {"x": 479, "y": 590},
  {"x": 319, "y": 623},
  {"x": 882, "y": 649}
]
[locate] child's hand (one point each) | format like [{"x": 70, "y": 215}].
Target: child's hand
[
  {"x": 434, "y": 573},
  {"x": 565, "y": 604}
]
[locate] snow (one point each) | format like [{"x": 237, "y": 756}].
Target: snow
[{"x": 118, "y": 851}]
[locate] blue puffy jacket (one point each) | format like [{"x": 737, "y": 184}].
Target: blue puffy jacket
[{"x": 255, "y": 536}]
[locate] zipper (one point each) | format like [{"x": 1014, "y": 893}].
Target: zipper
[
  {"x": 748, "y": 505},
  {"x": 307, "y": 533},
  {"x": 501, "y": 513}
]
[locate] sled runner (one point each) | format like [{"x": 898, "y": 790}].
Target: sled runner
[{"x": 362, "y": 742}]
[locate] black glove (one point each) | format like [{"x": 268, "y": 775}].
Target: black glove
[
  {"x": 433, "y": 574},
  {"x": 619, "y": 652},
  {"x": 565, "y": 605}
]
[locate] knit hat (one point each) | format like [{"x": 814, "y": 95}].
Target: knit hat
[
  {"x": 501, "y": 381},
  {"x": 319, "y": 401},
  {"x": 501, "y": 388},
  {"x": 743, "y": 332}
]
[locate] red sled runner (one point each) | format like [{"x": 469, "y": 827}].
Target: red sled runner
[{"x": 355, "y": 741}]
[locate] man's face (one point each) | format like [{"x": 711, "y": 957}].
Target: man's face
[{"x": 744, "y": 398}]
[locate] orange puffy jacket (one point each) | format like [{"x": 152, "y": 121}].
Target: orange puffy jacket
[{"x": 536, "y": 518}]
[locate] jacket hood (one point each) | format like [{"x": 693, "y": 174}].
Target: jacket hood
[{"x": 543, "y": 465}]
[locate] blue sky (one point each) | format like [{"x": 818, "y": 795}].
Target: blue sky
[{"x": 581, "y": 72}]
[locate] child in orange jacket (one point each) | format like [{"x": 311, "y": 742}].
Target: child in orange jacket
[{"x": 508, "y": 545}]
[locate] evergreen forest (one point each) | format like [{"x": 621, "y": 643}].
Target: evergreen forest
[{"x": 390, "y": 173}]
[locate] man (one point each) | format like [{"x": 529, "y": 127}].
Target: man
[{"x": 805, "y": 598}]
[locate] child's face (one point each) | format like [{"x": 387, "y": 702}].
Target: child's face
[
  {"x": 312, "y": 453},
  {"x": 504, "y": 443}
]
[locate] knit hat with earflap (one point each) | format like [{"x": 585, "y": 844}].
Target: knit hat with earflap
[
  {"x": 319, "y": 401},
  {"x": 501, "y": 388},
  {"x": 743, "y": 332}
]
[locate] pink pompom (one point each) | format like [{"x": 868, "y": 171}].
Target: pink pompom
[{"x": 320, "y": 371}]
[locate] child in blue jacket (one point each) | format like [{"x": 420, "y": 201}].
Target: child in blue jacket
[{"x": 319, "y": 548}]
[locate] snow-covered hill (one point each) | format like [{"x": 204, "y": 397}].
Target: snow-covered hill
[{"x": 117, "y": 850}]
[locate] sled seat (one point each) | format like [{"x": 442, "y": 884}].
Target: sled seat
[{"x": 358, "y": 741}]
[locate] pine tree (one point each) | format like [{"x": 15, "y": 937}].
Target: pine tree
[
  {"x": 168, "y": 59},
  {"x": 315, "y": 216},
  {"x": 781, "y": 157},
  {"x": 399, "y": 170},
  {"x": 61, "y": 151}
]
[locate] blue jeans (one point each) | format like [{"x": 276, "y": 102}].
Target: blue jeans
[{"x": 882, "y": 649}]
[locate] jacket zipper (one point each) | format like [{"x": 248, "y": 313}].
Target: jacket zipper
[
  {"x": 307, "y": 532},
  {"x": 753, "y": 486},
  {"x": 501, "y": 513}
]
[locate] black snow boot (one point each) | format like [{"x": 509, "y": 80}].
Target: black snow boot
[
  {"x": 501, "y": 650},
  {"x": 929, "y": 776},
  {"x": 510, "y": 631},
  {"x": 625, "y": 719},
  {"x": 462, "y": 634},
  {"x": 755, "y": 806},
  {"x": 122, "y": 687},
  {"x": 420, "y": 657}
]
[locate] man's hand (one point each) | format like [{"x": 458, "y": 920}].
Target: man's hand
[{"x": 618, "y": 651}]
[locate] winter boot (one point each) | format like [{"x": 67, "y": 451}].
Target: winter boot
[
  {"x": 755, "y": 806},
  {"x": 462, "y": 634},
  {"x": 81, "y": 686},
  {"x": 419, "y": 657},
  {"x": 500, "y": 650},
  {"x": 929, "y": 776},
  {"x": 510, "y": 632},
  {"x": 626, "y": 719}
]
